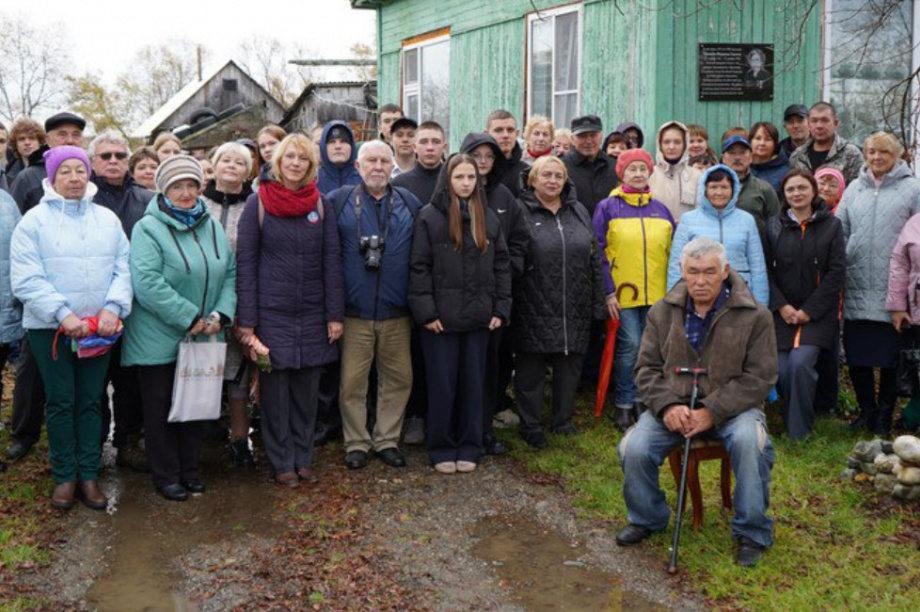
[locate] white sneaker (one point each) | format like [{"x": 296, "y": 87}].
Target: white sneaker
[
  {"x": 446, "y": 467},
  {"x": 465, "y": 466}
]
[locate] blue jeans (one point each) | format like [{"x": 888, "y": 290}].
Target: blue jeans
[
  {"x": 646, "y": 445},
  {"x": 629, "y": 338}
]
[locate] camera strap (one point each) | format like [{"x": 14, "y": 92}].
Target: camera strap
[{"x": 387, "y": 209}]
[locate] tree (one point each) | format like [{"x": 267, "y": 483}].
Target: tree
[
  {"x": 362, "y": 51},
  {"x": 266, "y": 60},
  {"x": 91, "y": 100},
  {"x": 157, "y": 73},
  {"x": 31, "y": 67}
]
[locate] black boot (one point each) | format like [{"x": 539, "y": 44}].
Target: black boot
[
  {"x": 866, "y": 420},
  {"x": 624, "y": 418},
  {"x": 882, "y": 426},
  {"x": 240, "y": 455}
]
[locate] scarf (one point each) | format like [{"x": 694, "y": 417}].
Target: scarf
[
  {"x": 539, "y": 155},
  {"x": 632, "y": 196},
  {"x": 283, "y": 202},
  {"x": 188, "y": 216}
]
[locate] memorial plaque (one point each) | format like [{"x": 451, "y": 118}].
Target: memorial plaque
[{"x": 735, "y": 72}]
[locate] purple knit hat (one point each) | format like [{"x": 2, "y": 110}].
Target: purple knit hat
[{"x": 58, "y": 155}]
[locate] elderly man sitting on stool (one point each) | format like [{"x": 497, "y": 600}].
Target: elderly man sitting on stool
[{"x": 708, "y": 320}]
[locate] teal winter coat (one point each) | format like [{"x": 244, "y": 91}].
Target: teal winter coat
[{"x": 179, "y": 273}]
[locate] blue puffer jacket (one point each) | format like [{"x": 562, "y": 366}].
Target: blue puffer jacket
[
  {"x": 332, "y": 176},
  {"x": 10, "y": 313},
  {"x": 69, "y": 257},
  {"x": 734, "y": 228},
  {"x": 772, "y": 171},
  {"x": 384, "y": 294}
]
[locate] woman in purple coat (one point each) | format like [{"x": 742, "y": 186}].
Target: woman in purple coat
[{"x": 291, "y": 294}]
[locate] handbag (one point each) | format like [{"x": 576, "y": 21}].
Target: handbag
[
  {"x": 908, "y": 372},
  {"x": 199, "y": 380}
]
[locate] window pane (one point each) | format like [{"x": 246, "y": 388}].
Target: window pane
[
  {"x": 541, "y": 67},
  {"x": 435, "y": 102},
  {"x": 412, "y": 106},
  {"x": 567, "y": 49},
  {"x": 866, "y": 61},
  {"x": 410, "y": 63},
  {"x": 566, "y": 109}
]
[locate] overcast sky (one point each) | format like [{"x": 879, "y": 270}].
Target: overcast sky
[{"x": 105, "y": 35}]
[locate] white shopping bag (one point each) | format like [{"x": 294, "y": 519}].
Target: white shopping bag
[{"x": 199, "y": 381}]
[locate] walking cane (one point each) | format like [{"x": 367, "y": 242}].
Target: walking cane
[{"x": 696, "y": 372}]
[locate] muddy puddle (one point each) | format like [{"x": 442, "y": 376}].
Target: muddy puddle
[
  {"x": 547, "y": 572},
  {"x": 152, "y": 534}
]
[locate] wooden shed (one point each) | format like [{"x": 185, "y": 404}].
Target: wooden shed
[
  {"x": 222, "y": 89},
  {"x": 351, "y": 101}
]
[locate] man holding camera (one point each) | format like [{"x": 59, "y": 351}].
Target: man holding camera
[{"x": 375, "y": 223}]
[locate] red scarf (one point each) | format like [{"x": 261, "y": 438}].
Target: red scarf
[
  {"x": 539, "y": 155},
  {"x": 283, "y": 202}
]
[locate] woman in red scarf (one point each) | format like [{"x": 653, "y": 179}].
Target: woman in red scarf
[
  {"x": 291, "y": 295},
  {"x": 538, "y": 138}
]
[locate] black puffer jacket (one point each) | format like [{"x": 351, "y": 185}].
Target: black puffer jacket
[
  {"x": 562, "y": 287},
  {"x": 27, "y": 189},
  {"x": 501, "y": 201},
  {"x": 128, "y": 201},
  {"x": 514, "y": 166},
  {"x": 806, "y": 265},
  {"x": 463, "y": 289}
]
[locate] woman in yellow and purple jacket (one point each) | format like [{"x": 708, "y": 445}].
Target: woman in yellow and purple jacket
[{"x": 634, "y": 231}]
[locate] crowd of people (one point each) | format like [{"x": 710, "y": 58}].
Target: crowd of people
[{"x": 400, "y": 291}]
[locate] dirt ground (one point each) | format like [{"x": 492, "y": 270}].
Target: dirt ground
[{"x": 499, "y": 539}]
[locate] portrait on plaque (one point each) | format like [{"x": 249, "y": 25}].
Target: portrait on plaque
[{"x": 738, "y": 72}]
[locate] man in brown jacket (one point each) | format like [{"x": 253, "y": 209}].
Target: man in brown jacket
[{"x": 708, "y": 320}]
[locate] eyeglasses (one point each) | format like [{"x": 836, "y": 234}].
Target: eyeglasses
[{"x": 117, "y": 155}]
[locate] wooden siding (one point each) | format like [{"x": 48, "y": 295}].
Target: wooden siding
[
  {"x": 638, "y": 63},
  {"x": 213, "y": 96}
]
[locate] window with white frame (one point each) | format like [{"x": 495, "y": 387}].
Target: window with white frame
[
  {"x": 554, "y": 63},
  {"x": 869, "y": 53},
  {"x": 426, "y": 80}
]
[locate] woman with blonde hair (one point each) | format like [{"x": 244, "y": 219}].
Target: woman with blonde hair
[
  {"x": 874, "y": 210},
  {"x": 291, "y": 295},
  {"x": 225, "y": 197},
  {"x": 166, "y": 145},
  {"x": 538, "y": 138}
]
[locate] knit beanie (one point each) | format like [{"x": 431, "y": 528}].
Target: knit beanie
[
  {"x": 58, "y": 155},
  {"x": 628, "y": 157},
  {"x": 841, "y": 182},
  {"x": 176, "y": 168}
]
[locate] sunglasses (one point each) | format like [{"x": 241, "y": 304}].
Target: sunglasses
[{"x": 110, "y": 155}]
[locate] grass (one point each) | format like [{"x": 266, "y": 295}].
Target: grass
[{"x": 838, "y": 545}]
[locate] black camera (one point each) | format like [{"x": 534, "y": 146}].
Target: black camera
[{"x": 372, "y": 247}]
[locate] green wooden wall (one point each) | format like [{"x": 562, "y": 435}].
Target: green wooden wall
[{"x": 639, "y": 60}]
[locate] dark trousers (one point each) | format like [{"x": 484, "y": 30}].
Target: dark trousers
[
  {"x": 28, "y": 398},
  {"x": 529, "y": 379},
  {"x": 126, "y": 401},
  {"x": 826, "y": 396},
  {"x": 591, "y": 369},
  {"x": 418, "y": 399},
  {"x": 172, "y": 448},
  {"x": 496, "y": 381},
  {"x": 863, "y": 380},
  {"x": 289, "y": 401},
  {"x": 74, "y": 388},
  {"x": 456, "y": 367},
  {"x": 798, "y": 381},
  {"x": 327, "y": 409}
]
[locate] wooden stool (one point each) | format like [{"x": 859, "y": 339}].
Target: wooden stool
[{"x": 701, "y": 450}]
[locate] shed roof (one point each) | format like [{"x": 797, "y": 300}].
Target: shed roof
[
  {"x": 184, "y": 95},
  {"x": 309, "y": 89}
]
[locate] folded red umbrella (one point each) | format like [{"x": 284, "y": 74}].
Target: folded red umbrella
[{"x": 607, "y": 358}]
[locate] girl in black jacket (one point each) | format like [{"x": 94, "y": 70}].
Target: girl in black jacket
[
  {"x": 806, "y": 261},
  {"x": 459, "y": 291}
]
